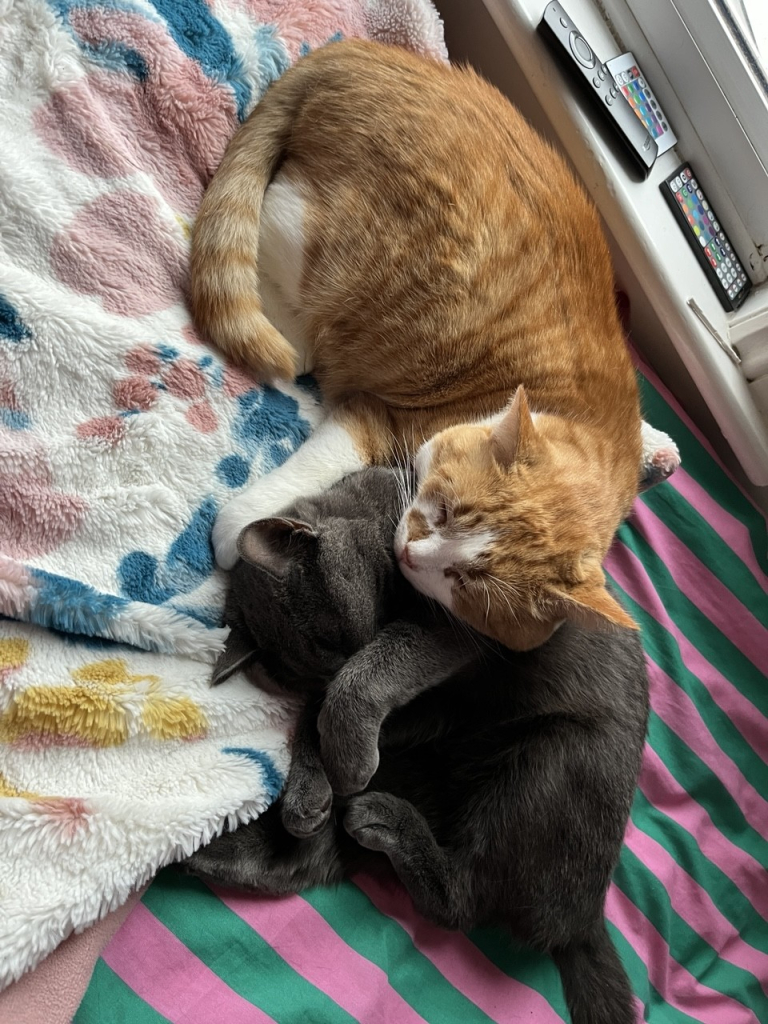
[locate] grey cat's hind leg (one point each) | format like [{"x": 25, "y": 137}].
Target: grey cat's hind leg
[
  {"x": 263, "y": 857},
  {"x": 391, "y": 825}
]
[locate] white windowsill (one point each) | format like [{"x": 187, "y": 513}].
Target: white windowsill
[{"x": 638, "y": 217}]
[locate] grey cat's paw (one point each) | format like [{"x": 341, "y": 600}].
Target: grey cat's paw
[
  {"x": 218, "y": 860},
  {"x": 241, "y": 861},
  {"x": 349, "y": 748},
  {"x": 306, "y": 805},
  {"x": 377, "y": 820}
]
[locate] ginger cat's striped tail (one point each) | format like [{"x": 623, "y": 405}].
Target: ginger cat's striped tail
[{"x": 224, "y": 282}]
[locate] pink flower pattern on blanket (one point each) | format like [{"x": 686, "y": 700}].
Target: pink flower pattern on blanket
[
  {"x": 318, "y": 20},
  {"x": 174, "y": 125},
  {"x": 130, "y": 113},
  {"x": 35, "y": 517},
  {"x": 182, "y": 378},
  {"x": 120, "y": 248},
  {"x": 62, "y": 816}
]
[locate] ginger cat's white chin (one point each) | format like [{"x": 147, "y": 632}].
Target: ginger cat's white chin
[
  {"x": 434, "y": 555},
  {"x": 423, "y": 567}
]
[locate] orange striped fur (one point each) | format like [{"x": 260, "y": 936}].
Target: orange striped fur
[{"x": 449, "y": 257}]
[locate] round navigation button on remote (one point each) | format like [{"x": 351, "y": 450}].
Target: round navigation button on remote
[{"x": 581, "y": 50}]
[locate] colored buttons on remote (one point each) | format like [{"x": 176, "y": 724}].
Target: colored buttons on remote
[
  {"x": 638, "y": 94},
  {"x": 576, "y": 55},
  {"x": 718, "y": 251}
]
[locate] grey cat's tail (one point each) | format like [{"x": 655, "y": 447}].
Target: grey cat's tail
[{"x": 596, "y": 986}]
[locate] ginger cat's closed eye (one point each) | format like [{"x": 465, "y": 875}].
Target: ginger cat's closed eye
[{"x": 415, "y": 244}]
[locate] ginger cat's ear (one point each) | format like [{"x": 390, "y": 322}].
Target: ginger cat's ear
[
  {"x": 269, "y": 544},
  {"x": 514, "y": 436},
  {"x": 590, "y": 605}
]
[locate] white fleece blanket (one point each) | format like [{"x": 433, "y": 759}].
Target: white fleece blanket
[{"x": 121, "y": 434}]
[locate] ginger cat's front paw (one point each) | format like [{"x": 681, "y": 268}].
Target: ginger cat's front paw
[
  {"x": 230, "y": 522},
  {"x": 261, "y": 500},
  {"x": 661, "y": 457}
]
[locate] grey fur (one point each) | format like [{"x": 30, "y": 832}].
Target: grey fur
[{"x": 504, "y": 782}]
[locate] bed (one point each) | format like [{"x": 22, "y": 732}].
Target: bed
[
  {"x": 101, "y": 373},
  {"x": 688, "y": 905}
]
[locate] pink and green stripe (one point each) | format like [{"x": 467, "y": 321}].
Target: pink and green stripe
[{"x": 688, "y": 908}]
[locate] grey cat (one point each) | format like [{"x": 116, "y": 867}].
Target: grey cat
[{"x": 498, "y": 785}]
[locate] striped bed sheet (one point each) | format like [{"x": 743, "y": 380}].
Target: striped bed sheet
[{"x": 688, "y": 907}]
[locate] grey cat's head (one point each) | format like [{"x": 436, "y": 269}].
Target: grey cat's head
[{"x": 310, "y": 584}]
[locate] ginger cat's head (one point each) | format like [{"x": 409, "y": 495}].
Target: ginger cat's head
[{"x": 500, "y": 531}]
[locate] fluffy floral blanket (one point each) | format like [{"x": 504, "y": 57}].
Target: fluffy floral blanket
[{"x": 121, "y": 434}]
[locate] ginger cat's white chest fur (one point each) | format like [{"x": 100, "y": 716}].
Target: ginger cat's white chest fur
[
  {"x": 281, "y": 264},
  {"x": 395, "y": 226}
]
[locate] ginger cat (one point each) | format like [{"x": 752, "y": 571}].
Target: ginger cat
[{"x": 395, "y": 226}]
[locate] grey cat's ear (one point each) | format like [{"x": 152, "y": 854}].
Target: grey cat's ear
[
  {"x": 513, "y": 438},
  {"x": 238, "y": 652},
  {"x": 270, "y": 544}
]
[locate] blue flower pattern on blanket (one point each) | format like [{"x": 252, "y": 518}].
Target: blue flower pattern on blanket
[
  {"x": 198, "y": 35},
  {"x": 267, "y": 428},
  {"x": 271, "y": 778},
  {"x": 71, "y": 605},
  {"x": 188, "y": 563},
  {"x": 267, "y": 425},
  {"x": 12, "y": 328},
  {"x": 163, "y": 430}
]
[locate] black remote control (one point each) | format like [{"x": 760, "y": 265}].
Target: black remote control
[
  {"x": 713, "y": 249},
  {"x": 573, "y": 51}
]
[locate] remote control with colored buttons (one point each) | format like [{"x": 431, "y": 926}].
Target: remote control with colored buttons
[
  {"x": 574, "y": 52},
  {"x": 706, "y": 237},
  {"x": 634, "y": 87}
]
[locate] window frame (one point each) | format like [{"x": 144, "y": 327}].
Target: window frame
[
  {"x": 661, "y": 265},
  {"x": 724, "y": 105}
]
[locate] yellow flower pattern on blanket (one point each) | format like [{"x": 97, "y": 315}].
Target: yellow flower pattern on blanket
[
  {"x": 7, "y": 788},
  {"x": 14, "y": 652},
  {"x": 106, "y": 704}
]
